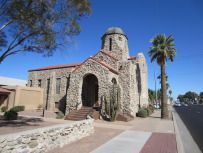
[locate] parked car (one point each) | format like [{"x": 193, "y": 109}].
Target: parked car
[
  {"x": 185, "y": 104},
  {"x": 177, "y": 104},
  {"x": 157, "y": 106}
]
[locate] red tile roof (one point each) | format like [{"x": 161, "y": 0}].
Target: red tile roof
[
  {"x": 132, "y": 58},
  {"x": 108, "y": 55},
  {"x": 110, "y": 69},
  {"x": 56, "y": 67},
  {"x": 4, "y": 91}
]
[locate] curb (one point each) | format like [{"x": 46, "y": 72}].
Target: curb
[{"x": 179, "y": 142}]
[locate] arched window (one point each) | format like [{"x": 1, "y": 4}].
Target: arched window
[
  {"x": 114, "y": 81},
  {"x": 110, "y": 44}
]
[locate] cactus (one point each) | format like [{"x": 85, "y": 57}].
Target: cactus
[{"x": 111, "y": 103}]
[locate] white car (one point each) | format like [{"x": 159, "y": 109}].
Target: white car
[
  {"x": 177, "y": 104},
  {"x": 157, "y": 106},
  {"x": 184, "y": 104}
]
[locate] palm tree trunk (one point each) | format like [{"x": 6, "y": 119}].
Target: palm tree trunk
[{"x": 164, "y": 106}]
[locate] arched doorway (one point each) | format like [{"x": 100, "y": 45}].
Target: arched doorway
[{"x": 89, "y": 90}]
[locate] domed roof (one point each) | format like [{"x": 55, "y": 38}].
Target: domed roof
[{"x": 114, "y": 30}]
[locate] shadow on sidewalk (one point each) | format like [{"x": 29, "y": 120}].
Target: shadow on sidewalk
[{"x": 21, "y": 121}]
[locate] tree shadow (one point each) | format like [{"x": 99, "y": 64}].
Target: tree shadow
[
  {"x": 21, "y": 121},
  {"x": 62, "y": 104}
]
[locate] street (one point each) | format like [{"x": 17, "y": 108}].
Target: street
[{"x": 192, "y": 116}]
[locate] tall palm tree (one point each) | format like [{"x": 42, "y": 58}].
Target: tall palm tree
[
  {"x": 163, "y": 49},
  {"x": 170, "y": 92}
]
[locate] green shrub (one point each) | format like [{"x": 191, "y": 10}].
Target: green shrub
[
  {"x": 10, "y": 115},
  {"x": 142, "y": 113},
  {"x": 4, "y": 108},
  {"x": 18, "y": 108},
  {"x": 59, "y": 115}
]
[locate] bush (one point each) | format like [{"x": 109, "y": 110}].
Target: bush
[
  {"x": 142, "y": 113},
  {"x": 10, "y": 115},
  {"x": 18, "y": 108},
  {"x": 4, "y": 108},
  {"x": 59, "y": 115}
]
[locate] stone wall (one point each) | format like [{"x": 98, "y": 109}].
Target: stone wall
[
  {"x": 127, "y": 81},
  {"x": 44, "y": 139},
  {"x": 119, "y": 46},
  {"x": 144, "y": 78},
  {"x": 52, "y": 74},
  {"x": 102, "y": 57},
  {"x": 75, "y": 90}
]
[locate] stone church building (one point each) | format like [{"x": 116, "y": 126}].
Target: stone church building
[{"x": 71, "y": 86}]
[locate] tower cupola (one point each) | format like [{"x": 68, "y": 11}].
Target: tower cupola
[{"x": 115, "y": 42}]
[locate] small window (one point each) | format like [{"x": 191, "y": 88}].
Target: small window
[
  {"x": 58, "y": 85},
  {"x": 30, "y": 83},
  {"x": 110, "y": 44},
  {"x": 56, "y": 105},
  {"x": 39, "y": 83},
  {"x": 114, "y": 81},
  {"x": 120, "y": 38}
]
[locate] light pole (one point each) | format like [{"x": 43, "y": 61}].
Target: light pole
[{"x": 155, "y": 86}]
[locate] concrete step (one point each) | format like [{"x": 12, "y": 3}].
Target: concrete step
[{"x": 80, "y": 114}]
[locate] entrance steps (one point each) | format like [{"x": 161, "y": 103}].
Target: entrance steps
[{"x": 81, "y": 114}]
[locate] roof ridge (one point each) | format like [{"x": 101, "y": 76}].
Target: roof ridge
[
  {"x": 132, "y": 58},
  {"x": 111, "y": 69},
  {"x": 108, "y": 55},
  {"x": 55, "y": 67}
]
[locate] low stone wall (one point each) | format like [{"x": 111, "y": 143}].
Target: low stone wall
[{"x": 44, "y": 139}]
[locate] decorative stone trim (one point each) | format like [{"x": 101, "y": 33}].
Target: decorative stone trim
[{"x": 44, "y": 139}]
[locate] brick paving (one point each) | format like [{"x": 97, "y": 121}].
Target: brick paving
[
  {"x": 160, "y": 143},
  {"x": 87, "y": 144},
  {"x": 162, "y": 139}
]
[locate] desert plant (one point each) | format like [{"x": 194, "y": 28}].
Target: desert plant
[
  {"x": 111, "y": 103},
  {"x": 142, "y": 112},
  {"x": 10, "y": 115},
  {"x": 4, "y": 108},
  {"x": 18, "y": 108},
  {"x": 59, "y": 115}
]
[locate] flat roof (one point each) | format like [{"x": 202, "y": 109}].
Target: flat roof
[{"x": 7, "y": 81}]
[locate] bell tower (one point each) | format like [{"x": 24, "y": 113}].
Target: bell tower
[{"x": 115, "y": 43}]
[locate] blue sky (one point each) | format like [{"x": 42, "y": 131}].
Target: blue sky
[{"x": 141, "y": 20}]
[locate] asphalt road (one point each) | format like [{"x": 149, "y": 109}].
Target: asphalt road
[{"x": 192, "y": 116}]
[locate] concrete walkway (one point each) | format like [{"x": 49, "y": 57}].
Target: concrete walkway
[
  {"x": 126, "y": 142},
  {"x": 148, "y": 135}
]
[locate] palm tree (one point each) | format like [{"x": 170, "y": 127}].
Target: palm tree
[
  {"x": 170, "y": 92},
  {"x": 162, "y": 49}
]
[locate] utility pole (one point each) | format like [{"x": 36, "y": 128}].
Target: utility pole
[{"x": 155, "y": 86}]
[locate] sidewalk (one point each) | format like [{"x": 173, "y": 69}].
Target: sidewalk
[{"x": 148, "y": 135}]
